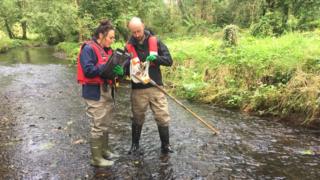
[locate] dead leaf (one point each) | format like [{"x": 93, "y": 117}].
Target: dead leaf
[{"x": 79, "y": 141}]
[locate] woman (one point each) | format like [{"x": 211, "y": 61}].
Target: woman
[{"x": 91, "y": 61}]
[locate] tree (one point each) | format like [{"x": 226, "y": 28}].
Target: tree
[
  {"x": 119, "y": 12},
  {"x": 22, "y": 16},
  {"x": 55, "y": 21},
  {"x": 8, "y": 14}
]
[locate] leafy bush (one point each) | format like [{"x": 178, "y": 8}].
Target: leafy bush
[
  {"x": 230, "y": 35},
  {"x": 70, "y": 49},
  {"x": 268, "y": 25}
]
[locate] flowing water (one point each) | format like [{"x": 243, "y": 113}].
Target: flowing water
[{"x": 44, "y": 133}]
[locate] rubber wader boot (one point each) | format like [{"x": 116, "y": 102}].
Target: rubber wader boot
[
  {"x": 96, "y": 154},
  {"x": 106, "y": 150},
  {"x": 136, "y": 133},
  {"x": 164, "y": 137}
]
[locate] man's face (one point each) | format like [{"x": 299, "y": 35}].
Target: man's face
[{"x": 137, "y": 31}]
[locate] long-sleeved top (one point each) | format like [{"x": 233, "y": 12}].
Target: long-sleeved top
[
  {"x": 88, "y": 61},
  {"x": 163, "y": 58}
]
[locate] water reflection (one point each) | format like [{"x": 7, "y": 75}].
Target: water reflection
[
  {"x": 35, "y": 55},
  {"x": 27, "y": 55}
]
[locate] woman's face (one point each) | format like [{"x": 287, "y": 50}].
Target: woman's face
[{"x": 109, "y": 39}]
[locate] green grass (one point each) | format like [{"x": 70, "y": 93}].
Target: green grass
[{"x": 264, "y": 76}]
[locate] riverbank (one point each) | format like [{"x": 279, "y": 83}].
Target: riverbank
[
  {"x": 270, "y": 77},
  {"x": 6, "y": 44}
]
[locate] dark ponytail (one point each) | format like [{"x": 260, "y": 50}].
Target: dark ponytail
[{"x": 104, "y": 27}]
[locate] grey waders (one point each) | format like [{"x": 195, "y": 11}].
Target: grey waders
[
  {"x": 96, "y": 153},
  {"x": 106, "y": 150}
]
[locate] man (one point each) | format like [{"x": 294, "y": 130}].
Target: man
[{"x": 146, "y": 48}]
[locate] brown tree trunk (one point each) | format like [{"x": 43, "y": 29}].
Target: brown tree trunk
[
  {"x": 183, "y": 11},
  {"x": 24, "y": 29},
  {"x": 11, "y": 35},
  {"x": 285, "y": 11},
  {"x": 204, "y": 10}
]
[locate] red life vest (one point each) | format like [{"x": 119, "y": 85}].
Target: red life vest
[
  {"x": 153, "y": 47},
  {"x": 102, "y": 59}
]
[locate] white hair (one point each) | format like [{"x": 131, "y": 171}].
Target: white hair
[{"x": 135, "y": 20}]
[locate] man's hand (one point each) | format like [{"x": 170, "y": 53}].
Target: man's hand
[
  {"x": 118, "y": 70},
  {"x": 151, "y": 58}
]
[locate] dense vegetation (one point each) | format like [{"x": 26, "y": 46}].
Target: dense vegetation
[
  {"x": 265, "y": 76},
  {"x": 258, "y": 56},
  {"x": 73, "y": 20}
]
